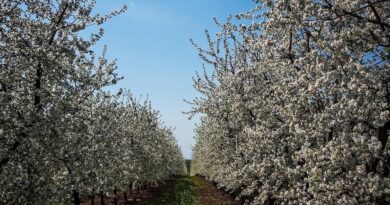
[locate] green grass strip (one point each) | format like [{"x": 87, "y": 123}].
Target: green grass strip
[{"x": 177, "y": 191}]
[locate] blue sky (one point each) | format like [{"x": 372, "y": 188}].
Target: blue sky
[{"x": 151, "y": 43}]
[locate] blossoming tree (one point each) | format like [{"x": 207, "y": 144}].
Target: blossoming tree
[
  {"x": 297, "y": 106},
  {"x": 61, "y": 135}
]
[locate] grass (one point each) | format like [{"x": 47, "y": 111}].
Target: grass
[
  {"x": 198, "y": 182},
  {"x": 177, "y": 191}
]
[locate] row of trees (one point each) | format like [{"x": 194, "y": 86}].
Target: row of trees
[
  {"x": 296, "y": 108},
  {"x": 62, "y": 135}
]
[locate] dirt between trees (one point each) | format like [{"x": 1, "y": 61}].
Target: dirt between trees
[
  {"x": 185, "y": 190},
  {"x": 209, "y": 194}
]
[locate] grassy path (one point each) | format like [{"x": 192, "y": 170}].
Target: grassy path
[
  {"x": 188, "y": 190},
  {"x": 176, "y": 191}
]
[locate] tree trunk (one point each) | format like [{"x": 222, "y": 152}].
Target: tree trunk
[
  {"x": 131, "y": 187},
  {"x": 115, "y": 197},
  {"x": 125, "y": 196},
  {"x": 93, "y": 199},
  {"x": 76, "y": 197},
  {"x": 101, "y": 198}
]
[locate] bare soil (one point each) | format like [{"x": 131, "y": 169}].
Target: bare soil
[
  {"x": 186, "y": 190},
  {"x": 210, "y": 195}
]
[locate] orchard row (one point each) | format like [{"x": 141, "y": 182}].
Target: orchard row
[
  {"x": 296, "y": 104},
  {"x": 63, "y": 136}
]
